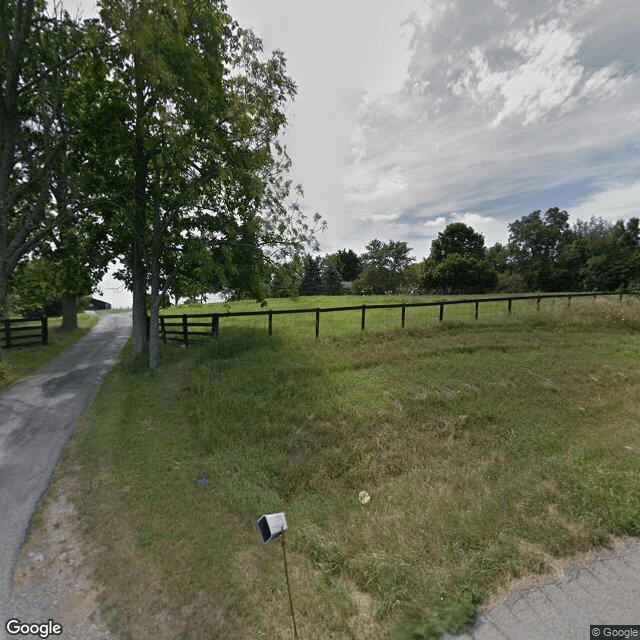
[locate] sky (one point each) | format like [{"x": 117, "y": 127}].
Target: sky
[{"x": 412, "y": 114}]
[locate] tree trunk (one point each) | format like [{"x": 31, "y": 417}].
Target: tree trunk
[
  {"x": 69, "y": 312},
  {"x": 138, "y": 267},
  {"x": 154, "y": 337},
  {"x": 139, "y": 309}
]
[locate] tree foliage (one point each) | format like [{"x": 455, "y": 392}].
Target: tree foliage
[
  {"x": 458, "y": 262},
  {"x": 536, "y": 244},
  {"x": 311, "y": 284},
  {"x": 383, "y": 265},
  {"x": 459, "y": 238},
  {"x": 331, "y": 280},
  {"x": 347, "y": 262},
  {"x": 39, "y": 54},
  {"x": 459, "y": 274},
  {"x": 199, "y": 173}
]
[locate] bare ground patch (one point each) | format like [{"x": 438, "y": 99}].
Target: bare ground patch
[{"x": 53, "y": 577}]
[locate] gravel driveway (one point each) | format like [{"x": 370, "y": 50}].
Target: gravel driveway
[{"x": 37, "y": 418}]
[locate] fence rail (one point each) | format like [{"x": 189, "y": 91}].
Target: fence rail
[
  {"x": 23, "y": 333},
  {"x": 178, "y": 327}
]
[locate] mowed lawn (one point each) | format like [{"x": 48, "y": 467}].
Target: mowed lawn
[{"x": 489, "y": 449}]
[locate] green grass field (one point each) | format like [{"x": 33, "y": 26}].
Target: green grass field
[
  {"x": 339, "y": 323},
  {"x": 489, "y": 448},
  {"x": 19, "y": 363}
]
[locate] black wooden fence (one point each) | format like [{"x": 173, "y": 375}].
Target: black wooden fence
[
  {"x": 22, "y": 333},
  {"x": 179, "y": 327}
]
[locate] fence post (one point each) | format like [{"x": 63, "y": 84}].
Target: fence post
[
  {"x": 163, "y": 330},
  {"x": 475, "y": 315},
  {"x": 404, "y": 309},
  {"x": 45, "y": 330},
  {"x": 509, "y": 307},
  {"x": 185, "y": 329},
  {"x": 148, "y": 326},
  {"x": 568, "y": 301},
  {"x": 215, "y": 329},
  {"x": 271, "y": 322},
  {"x": 364, "y": 307},
  {"x": 441, "y": 312},
  {"x": 537, "y": 304},
  {"x": 7, "y": 333},
  {"x": 317, "y": 321}
]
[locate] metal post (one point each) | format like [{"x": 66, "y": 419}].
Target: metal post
[
  {"x": 286, "y": 571},
  {"x": 270, "y": 322},
  {"x": 317, "y": 333},
  {"x": 475, "y": 315},
  {"x": 404, "y": 309},
  {"x": 441, "y": 312}
]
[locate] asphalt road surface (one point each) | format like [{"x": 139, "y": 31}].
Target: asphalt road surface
[
  {"x": 37, "y": 418},
  {"x": 605, "y": 592}
]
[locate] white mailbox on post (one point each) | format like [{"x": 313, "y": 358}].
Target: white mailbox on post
[{"x": 272, "y": 526}]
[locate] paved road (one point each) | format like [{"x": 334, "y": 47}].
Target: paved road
[
  {"x": 606, "y": 591},
  {"x": 37, "y": 418}
]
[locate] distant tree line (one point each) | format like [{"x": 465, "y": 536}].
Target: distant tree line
[{"x": 543, "y": 253}]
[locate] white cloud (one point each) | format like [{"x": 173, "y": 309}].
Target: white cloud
[
  {"x": 614, "y": 202},
  {"x": 438, "y": 222},
  {"x": 382, "y": 217},
  {"x": 473, "y": 219},
  {"x": 534, "y": 72},
  {"x": 498, "y": 108}
]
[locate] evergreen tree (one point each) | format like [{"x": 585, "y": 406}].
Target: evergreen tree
[
  {"x": 312, "y": 280},
  {"x": 331, "y": 280}
]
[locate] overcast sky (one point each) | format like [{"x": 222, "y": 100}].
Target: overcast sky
[{"x": 412, "y": 114}]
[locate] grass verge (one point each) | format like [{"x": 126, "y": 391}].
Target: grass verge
[
  {"x": 488, "y": 450},
  {"x": 20, "y": 362}
]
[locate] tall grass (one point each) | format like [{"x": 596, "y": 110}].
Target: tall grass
[{"x": 488, "y": 448}]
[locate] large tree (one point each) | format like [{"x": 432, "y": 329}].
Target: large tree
[
  {"x": 35, "y": 50},
  {"x": 188, "y": 118},
  {"x": 536, "y": 243},
  {"x": 459, "y": 273},
  {"x": 347, "y": 262},
  {"x": 458, "y": 262},
  {"x": 459, "y": 238},
  {"x": 311, "y": 284},
  {"x": 383, "y": 267},
  {"x": 612, "y": 260}
]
